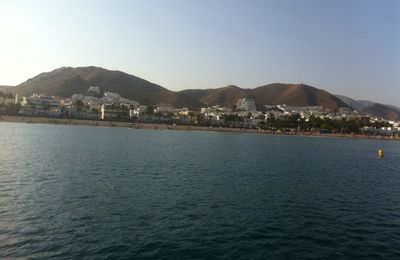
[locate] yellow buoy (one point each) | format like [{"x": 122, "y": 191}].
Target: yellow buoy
[{"x": 381, "y": 153}]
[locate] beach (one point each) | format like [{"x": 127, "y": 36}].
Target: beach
[{"x": 161, "y": 126}]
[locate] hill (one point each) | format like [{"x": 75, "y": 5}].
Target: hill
[
  {"x": 296, "y": 95},
  {"x": 375, "y": 109},
  {"x": 67, "y": 81},
  {"x": 383, "y": 111},
  {"x": 225, "y": 96},
  {"x": 394, "y": 107},
  {"x": 357, "y": 105},
  {"x": 272, "y": 94}
]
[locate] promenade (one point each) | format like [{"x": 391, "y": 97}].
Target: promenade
[{"x": 101, "y": 123}]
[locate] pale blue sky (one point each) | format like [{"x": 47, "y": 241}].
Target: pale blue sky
[{"x": 347, "y": 47}]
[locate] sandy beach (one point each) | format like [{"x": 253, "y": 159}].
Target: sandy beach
[{"x": 62, "y": 121}]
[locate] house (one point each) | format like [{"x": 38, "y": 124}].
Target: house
[
  {"x": 6, "y": 100},
  {"x": 137, "y": 111},
  {"x": 110, "y": 97},
  {"x": 165, "y": 109},
  {"x": 317, "y": 110},
  {"x": 40, "y": 105},
  {"x": 128, "y": 103},
  {"x": 214, "y": 110},
  {"x": 77, "y": 97},
  {"x": 246, "y": 104},
  {"x": 92, "y": 102},
  {"x": 94, "y": 90}
]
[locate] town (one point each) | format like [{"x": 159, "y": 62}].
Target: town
[{"x": 109, "y": 106}]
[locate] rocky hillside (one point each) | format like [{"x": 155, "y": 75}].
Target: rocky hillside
[
  {"x": 376, "y": 109},
  {"x": 67, "y": 81},
  {"x": 272, "y": 94}
]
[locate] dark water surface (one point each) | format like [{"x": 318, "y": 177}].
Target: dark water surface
[{"x": 75, "y": 192}]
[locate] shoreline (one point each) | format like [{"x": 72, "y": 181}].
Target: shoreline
[{"x": 155, "y": 126}]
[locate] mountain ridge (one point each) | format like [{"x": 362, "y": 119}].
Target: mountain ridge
[
  {"x": 5, "y": 88},
  {"x": 66, "y": 81},
  {"x": 373, "y": 108}
]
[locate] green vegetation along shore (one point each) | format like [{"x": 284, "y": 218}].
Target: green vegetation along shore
[{"x": 100, "y": 123}]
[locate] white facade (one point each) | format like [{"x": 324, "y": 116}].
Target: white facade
[
  {"x": 94, "y": 90},
  {"x": 37, "y": 100},
  {"x": 137, "y": 111},
  {"x": 246, "y": 104},
  {"x": 77, "y": 97},
  {"x": 128, "y": 103},
  {"x": 5, "y": 101},
  {"x": 110, "y": 97},
  {"x": 92, "y": 102},
  {"x": 215, "y": 110},
  {"x": 114, "y": 111},
  {"x": 164, "y": 109},
  {"x": 313, "y": 110}
]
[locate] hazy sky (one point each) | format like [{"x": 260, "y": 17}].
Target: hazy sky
[{"x": 347, "y": 47}]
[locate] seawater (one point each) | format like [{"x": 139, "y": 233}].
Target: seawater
[{"x": 78, "y": 192}]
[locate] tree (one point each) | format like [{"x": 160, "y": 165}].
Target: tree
[
  {"x": 12, "y": 108},
  {"x": 78, "y": 105},
  {"x": 95, "y": 111},
  {"x": 158, "y": 114},
  {"x": 198, "y": 118},
  {"x": 271, "y": 119},
  {"x": 45, "y": 106},
  {"x": 262, "y": 125},
  {"x": 249, "y": 115},
  {"x": 150, "y": 110},
  {"x": 191, "y": 116}
]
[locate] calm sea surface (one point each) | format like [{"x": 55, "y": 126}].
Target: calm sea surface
[{"x": 77, "y": 192}]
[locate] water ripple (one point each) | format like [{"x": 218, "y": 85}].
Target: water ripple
[{"x": 100, "y": 193}]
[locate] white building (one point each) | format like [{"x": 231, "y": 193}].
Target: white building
[
  {"x": 165, "y": 109},
  {"x": 246, "y": 104},
  {"x": 91, "y": 102},
  {"x": 310, "y": 110},
  {"x": 76, "y": 97},
  {"x": 182, "y": 111},
  {"x": 214, "y": 110},
  {"x": 110, "y": 97},
  {"x": 114, "y": 111},
  {"x": 39, "y": 100},
  {"x": 6, "y": 101},
  {"x": 40, "y": 105},
  {"x": 94, "y": 90},
  {"x": 137, "y": 111},
  {"x": 128, "y": 103}
]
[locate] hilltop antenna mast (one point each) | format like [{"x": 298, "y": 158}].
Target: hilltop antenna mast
[
  {"x": 230, "y": 78},
  {"x": 299, "y": 82}
]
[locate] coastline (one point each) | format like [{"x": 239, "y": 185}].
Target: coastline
[{"x": 100, "y": 123}]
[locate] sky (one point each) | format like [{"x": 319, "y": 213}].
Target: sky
[{"x": 348, "y": 47}]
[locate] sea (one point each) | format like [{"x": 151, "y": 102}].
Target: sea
[{"x": 82, "y": 192}]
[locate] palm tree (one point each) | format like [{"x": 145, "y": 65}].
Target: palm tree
[
  {"x": 191, "y": 116},
  {"x": 78, "y": 105}
]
